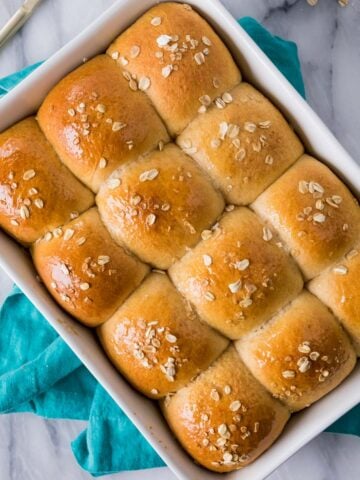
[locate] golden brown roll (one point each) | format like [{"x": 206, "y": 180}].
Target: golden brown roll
[
  {"x": 179, "y": 61},
  {"x": 159, "y": 205},
  {"x": 238, "y": 276},
  {"x": 85, "y": 271},
  {"x": 314, "y": 213},
  {"x": 37, "y": 193},
  {"x": 96, "y": 122},
  {"x": 301, "y": 354},
  {"x": 244, "y": 147},
  {"x": 225, "y": 418},
  {"x": 156, "y": 339},
  {"x": 339, "y": 289}
]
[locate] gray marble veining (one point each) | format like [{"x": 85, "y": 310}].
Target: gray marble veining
[
  {"x": 34, "y": 449},
  {"x": 328, "y": 38}
]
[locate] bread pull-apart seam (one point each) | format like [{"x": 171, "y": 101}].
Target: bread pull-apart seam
[{"x": 175, "y": 120}]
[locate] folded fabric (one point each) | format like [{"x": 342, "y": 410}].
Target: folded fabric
[
  {"x": 40, "y": 374},
  {"x": 7, "y": 83}
]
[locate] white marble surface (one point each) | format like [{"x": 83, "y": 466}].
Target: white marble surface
[{"x": 328, "y": 38}]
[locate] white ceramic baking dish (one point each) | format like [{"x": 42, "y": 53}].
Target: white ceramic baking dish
[{"x": 26, "y": 98}]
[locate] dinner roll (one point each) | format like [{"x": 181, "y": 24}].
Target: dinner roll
[
  {"x": 37, "y": 193},
  {"x": 301, "y": 354},
  {"x": 225, "y": 418},
  {"x": 243, "y": 147},
  {"x": 156, "y": 339},
  {"x": 159, "y": 205},
  {"x": 238, "y": 276},
  {"x": 179, "y": 61},
  {"x": 339, "y": 289},
  {"x": 96, "y": 122},
  {"x": 314, "y": 213},
  {"x": 85, "y": 271}
]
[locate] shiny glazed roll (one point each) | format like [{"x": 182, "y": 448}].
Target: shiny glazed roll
[
  {"x": 243, "y": 147},
  {"x": 301, "y": 354},
  {"x": 339, "y": 288},
  {"x": 314, "y": 213},
  {"x": 156, "y": 339},
  {"x": 178, "y": 60},
  {"x": 238, "y": 276},
  {"x": 96, "y": 122},
  {"x": 225, "y": 418},
  {"x": 37, "y": 193},
  {"x": 159, "y": 205},
  {"x": 198, "y": 175},
  {"x": 85, "y": 271}
]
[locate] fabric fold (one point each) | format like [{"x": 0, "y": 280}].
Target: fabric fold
[
  {"x": 40, "y": 374},
  {"x": 111, "y": 443}
]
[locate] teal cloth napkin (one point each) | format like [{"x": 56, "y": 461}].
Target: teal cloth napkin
[{"x": 40, "y": 374}]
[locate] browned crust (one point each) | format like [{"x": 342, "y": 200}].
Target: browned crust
[
  {"x": 85, "y": 271},
  {"x": 176, "y": 97}
]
